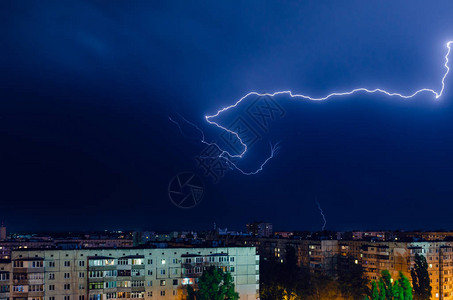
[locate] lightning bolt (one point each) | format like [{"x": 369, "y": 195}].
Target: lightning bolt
[
  {"x": 322, "y": 214},
  {"x": 274, "y": 148}
]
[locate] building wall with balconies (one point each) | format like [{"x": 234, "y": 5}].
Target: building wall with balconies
[{"x": 102, "y": 274}]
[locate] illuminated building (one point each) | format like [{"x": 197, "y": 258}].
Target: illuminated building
[{"x": 101, "y": 274}]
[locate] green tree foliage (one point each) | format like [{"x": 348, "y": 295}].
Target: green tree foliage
[
  {"x": 374, "y": 291},
  {"x": 420, "y": 279},
  {"x": 401, "y": 289},
  {"x": 214, "y": 284}
]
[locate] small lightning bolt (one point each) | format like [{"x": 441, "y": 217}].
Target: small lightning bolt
[
  {"x": 228, "y": 156},
  {"x": 322, "y": 214}
]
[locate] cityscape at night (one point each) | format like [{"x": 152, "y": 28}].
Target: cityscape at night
[{"x": 211, "y": 150}]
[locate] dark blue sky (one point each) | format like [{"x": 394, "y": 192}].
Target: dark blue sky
[{"x": 86, "y": 88}]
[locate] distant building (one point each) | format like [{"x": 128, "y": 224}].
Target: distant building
[
  {"x": 260, "y": 229},
  {"x": 369, "y": 235},
  {"x": 284, "y": 234},
  {"x": 2, "y": 232}
]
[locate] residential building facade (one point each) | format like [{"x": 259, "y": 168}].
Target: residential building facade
[{"x": 101, "y": 274}]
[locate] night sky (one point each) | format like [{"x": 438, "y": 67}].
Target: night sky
[{"x": 86, "y": 89}]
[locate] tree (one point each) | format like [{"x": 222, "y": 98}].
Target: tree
[
  {"x": 420, "y": 279},
  {"x": 214, "y": 284},
  {"x": 284, "y": 280},
  {"x": 384, "y": 290},
  {"x": 324, "y": 288},
  {"x": 353, "y": 284}
]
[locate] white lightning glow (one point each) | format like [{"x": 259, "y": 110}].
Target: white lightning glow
[
  {"x": 227, "y": 156},
  {"x": 322, "y": 214}
]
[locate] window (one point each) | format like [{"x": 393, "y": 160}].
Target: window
[
  {"x": 138, "y": 283},
  {"x": 150, "y": 294},
  {"x": 98, "y": 296},
  {"x": 36, "y": 264},
  {"x": 163, "y": 261},
  {"x": 18, "y": 264},
  {"x": 150, "y": 261},
  {"x": 162, "y": 272},
  {"x": 4, "y": 276},
  {"x": 4, "y": 289},
  {"x": 51, "y": 276},
  {"x": 125, "y": 283},
  {"x": 175, "y": 292},
  {"x": 231, "y": 269},
  {"x": 122, "y": 261},
  {"x": 95, "y": 274},
  {"x": 81, "y": 275},
  {"x": 232, "y": 258},
  {"x": 52, "y": 298},
  {"x": 67, "y": 263},
  {"x": 67, "y": 286},
  {"x": 223, "y": 258},
  {"x": 124, "y": 273},
  {"x": 67, "y": 298},
  {"x": 66, "y": 275},
  {"x": 51, "y": 264},
  {"x": 110, "y": 284},
  {"x": 162, "y": 293},
  {"x": 96, "y": 285},
  {"x": 35, "y": 288},
  {"x": 82, "y": 297},
  {"x": 111, "y": 273},
  {"x": 18, "y": 288},
  {"x": 81, "y": 263},
  {"x": 150, "y": 283},
  {"x": 162, "y": 283},
  {"x": 175, "y": 281},
  {"x": 111, "y": 295},
  {"x": 81, "y": 286},
  {"x": 150, "y": 272},
  {"x": 137, "y": 295},
  {"x": 109, "y": 262},
  {"x": 175, "y": 261},
  {"x": 51, "y": 287}
]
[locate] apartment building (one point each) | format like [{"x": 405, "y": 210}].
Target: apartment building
[
  {"x": 400, "y": 257},
  {"x": 329, "y": 256},
  {"x": 102, "y": 274}
]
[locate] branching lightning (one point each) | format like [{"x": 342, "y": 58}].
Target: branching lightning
[
  {"x": 231, "y": 164},
  {"x": 322, "y": 214},
  {"x": 228, "y": 156}
]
